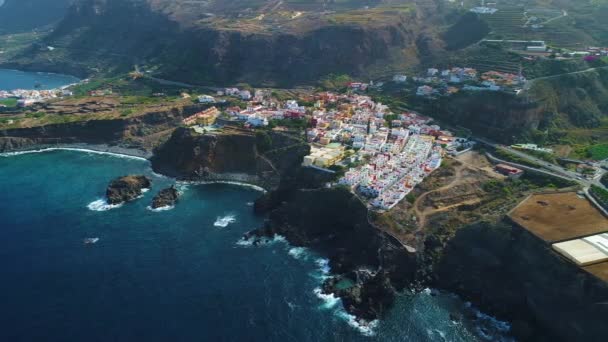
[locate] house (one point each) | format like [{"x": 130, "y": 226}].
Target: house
[
  {"x": 245, "y": 95},
  {"x": 292, "y": 104},
  {"x": 231, "y": 91},
  {"x": 257, "y": 120},
  {"x": 206, "y": 117},
  {"x": 399, "y": 78},
  {"x": 425, "y": 91},
  {"x": 27, "y": 102},
  {"x": 509, "y": 171},
  {"x": 206, "y": 99},
  {"x": 431, "y": 72},
  {"x": 358, "y": 86}
]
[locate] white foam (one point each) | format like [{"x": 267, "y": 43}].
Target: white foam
[
  {"x": 365, "y": 328},
  {"x": 298, "y": 253},
  {"x": 102, "y": 205},
  {"x": 323, "y": 265},
  {"x": 501, "y": 326},
  {"x": 144, "y": 190},
  {"x": 246, "y": 242},
  {"x": 329, "y": 300},
  {"x": 223, "y": 222},
  {"x": 245, "y": 185},
  {"x": 118, "y": 155},
  {"x": 160, "y": 209},
  {"x": 276, "y": 239}
]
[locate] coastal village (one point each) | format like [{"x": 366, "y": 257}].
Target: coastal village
[
  {"x": 385, "y": 154},
  {"x": 446, "y": 82},
  {"x": 29, "y": 97}
]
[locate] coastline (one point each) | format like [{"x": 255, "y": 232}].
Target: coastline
[
  {"x": 82, "y": 147},
  {"x": 70, "y": 79},
  {"x": 125, "y": 152}
]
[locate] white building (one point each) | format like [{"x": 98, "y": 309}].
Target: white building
[
  {"x": 245, "y": 95},
  {"x": 257, "y": 120},
  {"x": 400, "y": 78},
  {"x": 206, "y": 99}
]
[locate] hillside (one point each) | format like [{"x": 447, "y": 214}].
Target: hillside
[{"x": 275, "y": 42}]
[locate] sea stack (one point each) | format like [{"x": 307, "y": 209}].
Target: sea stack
[
  {"x": 165, "y": 198},
  {"x": 126, "y": 188}
]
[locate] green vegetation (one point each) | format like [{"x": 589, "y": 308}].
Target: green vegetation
[
  {"x": 141, "y": 90},
  {"x": 598, "y": 152},
  {"x": 296, "y": 124},
  {"x": 600, "y": 194},
  {"x": 528, "y": 182},
  {"x": 36, "y": 115},
  {"x": 335, "y": 82},
  {"x": 548, "y": 157},
  {"x": 375, "y": 15},
  {"x": 468, "y": 30},
  {"x": 508, "y": 156},
  {"x": 10, "y": 102}
]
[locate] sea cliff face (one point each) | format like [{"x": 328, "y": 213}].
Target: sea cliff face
[
  {"x": 231, "y": 154},
  {"x": 130, "y": 132},
  {"x": 334, "y": 223},
  {"x": 507, "y": 271}
]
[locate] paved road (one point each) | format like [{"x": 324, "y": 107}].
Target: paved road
[
  {"x": 586, "y": 183},
  {"x": 531, "y": 82}
]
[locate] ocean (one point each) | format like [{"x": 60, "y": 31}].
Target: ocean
[
  {"x": 15, "y": 79},
  {"x": 173, "y": 275}
]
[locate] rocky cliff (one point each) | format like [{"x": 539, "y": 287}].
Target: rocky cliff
[
  {"x": 193, "y": 45},
  {"x": 505, "y": 270},
  {"x": 334, "y": 223},
  {"x": 501, "y": 116},
  {"x": 140, "y": 132},
  {"x": 231, "y": 154}
]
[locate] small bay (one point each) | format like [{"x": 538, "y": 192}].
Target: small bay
[{"x": 15, "y": 79}]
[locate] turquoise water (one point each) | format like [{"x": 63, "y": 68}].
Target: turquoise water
[
  {"x": 14, "y": 79},
  {"x": 176, "y": 275}
]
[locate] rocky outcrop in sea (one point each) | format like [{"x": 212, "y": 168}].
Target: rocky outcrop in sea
[
  {"x": 127, "y": 188},
  {"x": 165, "y": 198}
]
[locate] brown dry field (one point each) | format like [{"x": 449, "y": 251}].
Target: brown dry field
[
  {"x": 599, "y": 270},
  {"x": 559, "y": 217}
]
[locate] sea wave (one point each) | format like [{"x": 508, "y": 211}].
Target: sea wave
[
  {"x": 323, "y": 265},
  {"x": 300, "y": 253},
  {"x": 241, "y": 184},
  {"x": 223, "y": 222},
  {"x": 365, "y": 328},
  {"x": 264, "y": 241},
  {"x": 50, "y": 149},
  {"x": 329, "y": 300},
  {"x": 102, "y": 205},
  {"x": 160, "y": 209}
]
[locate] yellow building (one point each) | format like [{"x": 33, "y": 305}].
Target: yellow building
[{"x": 324, "y": 156}]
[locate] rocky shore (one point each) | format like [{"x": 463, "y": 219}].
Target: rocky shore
[
  {"x": 492, "y": 264},
  {"x": 126, "y": 189},
  {"x": 165, "y": 198},
  {"x": 368, "y": 267}
]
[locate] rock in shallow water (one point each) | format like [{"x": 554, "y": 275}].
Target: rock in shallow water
[
  {"x": 165, "y": 198},
  {"x": 126, "y": 188}
]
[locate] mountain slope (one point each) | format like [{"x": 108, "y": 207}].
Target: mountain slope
[{"x": 255, "y": 41}]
